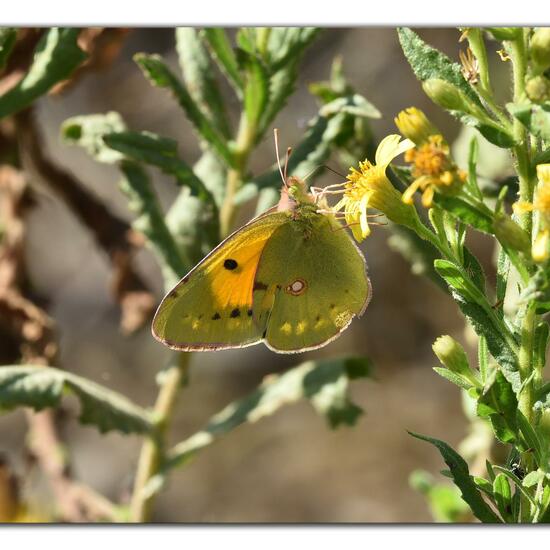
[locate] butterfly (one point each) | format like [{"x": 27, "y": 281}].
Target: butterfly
[{"x": 291, "y": 278}]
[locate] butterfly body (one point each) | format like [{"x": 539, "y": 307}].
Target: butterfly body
[{"x": 291, "y": 278}]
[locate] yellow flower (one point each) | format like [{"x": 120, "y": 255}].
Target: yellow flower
[
  {"x": 433, "y": 169},
  {"x": 540, "y": 250},
  {"x": 369, "y": 187}
]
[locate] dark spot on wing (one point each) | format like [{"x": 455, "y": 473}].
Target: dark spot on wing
[
  {"x": 235, "y": 313},
  {"x": 258, "y": 285},
  {"x": 230, "y": 264},
  {"x": 264, "y": 333},
  {"x": 318, "y": 318},
  {"x": 332, "y": 306},
  {"x": 249, "y": 312},
  {"x": 173, "y": 293},
  {"x": 199, "y": 317},
  {"x": 185, "y": 279},
  {"x": 216, "y": 316}
]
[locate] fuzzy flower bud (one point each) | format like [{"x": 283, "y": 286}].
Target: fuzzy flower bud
[
  {"x": 447, "y": 95},
  {"x": 452, "y": 356},
  {"x": 540, "y": 48},
  {"x": 509, "y": 233},
  {"x": 414, "y": 124},
  {"x": 538, "y": 89}
]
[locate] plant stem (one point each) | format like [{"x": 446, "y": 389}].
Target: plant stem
[
  {"x": 245, "y": 140},
  {"x": 152, "y": 449},
  {"x": 525, "y": 360}
]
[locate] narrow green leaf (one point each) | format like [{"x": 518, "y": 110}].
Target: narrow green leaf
[
  {"x": 150, "y": 221},
  {"x": 287, "y": 43},
  {"x": 474, "y": 270},
  {"x": 484, "y": 320},
  {"x": 531, "y": 439},
  {"x": 503, "y": 497},
  {"x": 199, "y": 77},
  {"x": 223, "y": 53},
  {"x": 517, "y": 483},
  {"x": 460, "y": 381},
  {"x": 536, "y": 118},
  {"x": 484, "y": 485},
  {"x": 40, "y": 387},
  {"x": 532, "y": 478},
  {"x": 483, "y": 358},
  {"x": 427, "y": 63},
  {"x": 87, "y": 131},
  {"x": 158, "y": 73},
  {"x": 463, "y": 480},
  {"x": 465, "y": 212},
  {"x": 498, "y": 403},
  {"x": 355, "y": 105},
  {"x": 8, "y": 37},
  {"x": 160, "y": 152},
  {"x": 57, "y": 55},
  {"x": 324, "y": 383}
]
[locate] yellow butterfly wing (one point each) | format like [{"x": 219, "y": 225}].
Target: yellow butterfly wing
[
  {"x": 317, "y": 284},
  {"x": 211, "y": 308}
]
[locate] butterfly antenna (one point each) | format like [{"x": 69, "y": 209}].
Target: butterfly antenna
[
  {"x": 287, "y": 157},
  {"x": 276, "y": 136},
  {"x": 327, "y": 168}
]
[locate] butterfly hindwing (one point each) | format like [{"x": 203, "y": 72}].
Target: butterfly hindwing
[
  {"x": 211, "y": 307},
  {"x": 317, "y": 282}
]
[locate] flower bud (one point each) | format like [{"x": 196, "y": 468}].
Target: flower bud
[
  {"x": 510, "y": 234},
  {"x": 452, "y": 356},
  {"x": 540, "y": 48},
  {"x": 538, "y": 89},
  {"x": 414, "y": 124},
  {"x": 448, "y": 96},
  {"x": 541, "y": 247}
]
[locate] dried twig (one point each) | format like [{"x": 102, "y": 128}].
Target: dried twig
[{"x": 33, "y": 332}]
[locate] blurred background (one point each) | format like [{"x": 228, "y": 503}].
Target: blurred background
[{"x": 289, "y": 467}]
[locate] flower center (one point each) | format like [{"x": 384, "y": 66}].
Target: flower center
[{"x": 430, "y": 158}]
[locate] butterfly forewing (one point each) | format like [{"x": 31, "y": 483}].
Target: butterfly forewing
[{"x": 211, "y": 307}]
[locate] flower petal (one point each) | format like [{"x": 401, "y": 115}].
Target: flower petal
[{"x": 390, "y": 147}]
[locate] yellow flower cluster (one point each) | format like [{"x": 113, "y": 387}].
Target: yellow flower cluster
[{"x": 433, "y": 169}]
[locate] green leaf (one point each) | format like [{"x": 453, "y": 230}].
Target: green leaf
[
  {"x": 532, "y": 478},
  {"x": 503, "y": 497},
  {"x": 355, "y": 105},
  {"x": 158, "y": 73},
  {"x": 40, "y": 387},
  {"x": 465, "y": 212},
  {"x": 517, "y": 482},
  {"x": 287, "y": 43},
  {"x": 160, "y": 152},
  {"x": 150, "y": 221},
  {"x": 222, "y": 52},
  {"x": 498, "y": 403},
  {"x": 57, "y": 55},
  {"x": 463, "y": 480},
  {"x": 531, "y": 439},
  {"x": 87, "y": 131},
  {"x": 8, "y": 37},
  {"x": 325, "y": 383},
  {"x": 484, "y": 485},
  {"x": 199, "y": 77},
  {"x": 427, "y": 63},
  {"x": 460, "y": 381},
  {"x": 536, "y": 118},
  {"x": 485, "y": 321},
  {"x": 474, "y": 270}
]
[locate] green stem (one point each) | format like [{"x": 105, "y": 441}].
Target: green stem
[
  {"x": 525, "y": 359},
  {"x": 243, "y": 146},
  {"x": 152, "y": 450}
]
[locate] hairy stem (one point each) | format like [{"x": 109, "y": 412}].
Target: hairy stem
[{"x": 152, "y": 450}]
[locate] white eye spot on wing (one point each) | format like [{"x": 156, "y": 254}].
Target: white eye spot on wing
[{"x": 297, "y": 287}]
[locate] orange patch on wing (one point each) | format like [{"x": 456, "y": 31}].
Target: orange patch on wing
[{"x": 232, "y": 288}]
